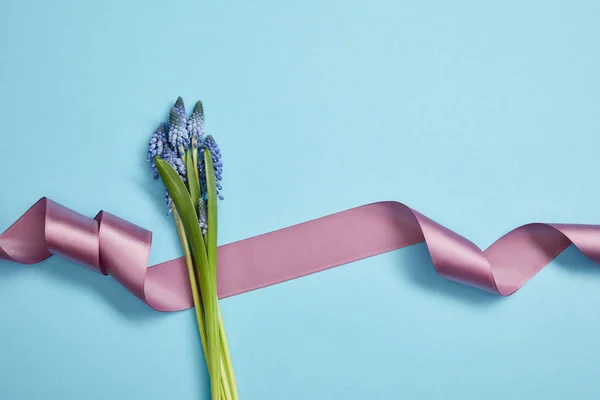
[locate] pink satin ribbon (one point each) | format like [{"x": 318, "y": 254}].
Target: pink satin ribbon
[{"x": 112, "y": 246}]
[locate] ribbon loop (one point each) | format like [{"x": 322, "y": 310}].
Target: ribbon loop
[{"x": 72, "y": 235}]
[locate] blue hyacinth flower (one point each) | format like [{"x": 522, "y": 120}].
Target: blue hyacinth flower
[
  {"x": 172, "y": 157},
  {"x": 180, "y": 108},
  {"x": 195, "y": 125},
  {"x": 215, "y": 153},
  {"x": 202, "y": 215},
  {"x": 157, "y": 145},
  {"x": 178, "y": 134}
]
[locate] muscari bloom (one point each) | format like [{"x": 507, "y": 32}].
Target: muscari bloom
[
  {"x": 202, "y": 215},
  {"x": 171, "y": 156},
  {"x": 195, "y": 125},
  {"x": 157, "y": 144},
  {"x": 170, "y": 142},
  {"x": 213, "y": 149},
  {"x": 180, "y": 108},
  {"x": 178, "y": 134}
]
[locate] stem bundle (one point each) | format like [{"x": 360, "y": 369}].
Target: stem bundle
[{"x": 200, "y": 253}]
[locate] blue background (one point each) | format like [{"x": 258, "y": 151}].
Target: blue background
[{"x": 481, "y": 116}]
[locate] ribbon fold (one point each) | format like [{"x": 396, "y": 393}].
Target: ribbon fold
[{"x": 112, "y": 246}]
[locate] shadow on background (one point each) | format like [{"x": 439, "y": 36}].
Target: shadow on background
[
  {"x": 418, "y": 268},
  {"x": 104, "y": 287},
  {"x": 573, "y": 260}
]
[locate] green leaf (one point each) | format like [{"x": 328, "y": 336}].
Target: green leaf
[
  {"x": 211, "y": 191},
  {"x": 193, "y": 183},
  {"x": 208, "y": 284}
]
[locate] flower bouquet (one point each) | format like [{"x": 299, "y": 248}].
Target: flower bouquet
[{"x": 189, "y": 164}]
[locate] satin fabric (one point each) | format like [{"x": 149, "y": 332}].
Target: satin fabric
[{"x": 112, "y": 246}]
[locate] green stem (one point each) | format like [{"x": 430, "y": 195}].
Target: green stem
[
  {"x": 226, "y": 390},
  {"x": 192, "y": 276},
  {"x": 205, "y": 273},
  {"x": 201, "y": 260},
  {"x": 225, "y": 385},
  {"x": 226, "y": 357},
  {"x": 211, "y": 248}
]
